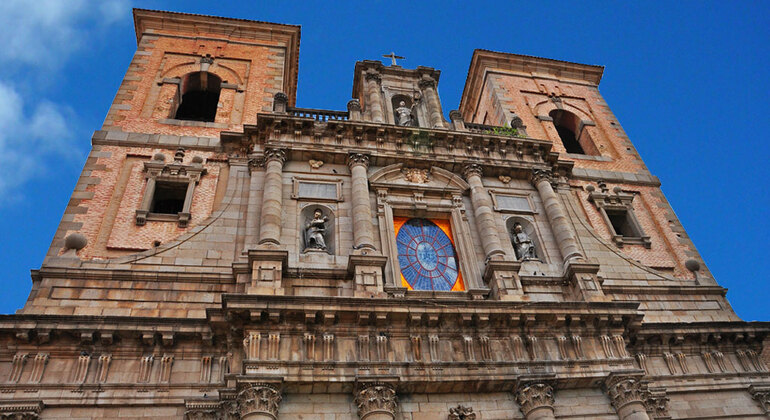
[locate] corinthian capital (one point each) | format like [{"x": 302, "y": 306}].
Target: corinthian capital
[
  {"x": 623, "y": 390},
  {"x": 534, "y": 396},
  {"x": 259, "y": 398},
  {"x": 376, "y": 398},
  {"x": 471, "y": 169},
  {"x": 541, "y": 175},
  {"x": 358, "y": 159},
  {"x": 275, "y": 154},
  {"x": 373, "y": 75}
]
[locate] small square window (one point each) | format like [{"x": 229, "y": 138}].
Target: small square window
[
  {"x": 622, "y": 224},
  {"x": 168, "y": 198}
]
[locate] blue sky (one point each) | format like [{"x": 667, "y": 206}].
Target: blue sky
[{"x": 688, "y": 81}]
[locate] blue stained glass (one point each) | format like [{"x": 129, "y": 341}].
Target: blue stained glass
[{"x": 426, "y": 256}]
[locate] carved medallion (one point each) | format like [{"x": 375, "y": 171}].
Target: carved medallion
[{"x": 417, "y": 176}]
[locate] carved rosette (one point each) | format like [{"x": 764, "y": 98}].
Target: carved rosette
[
  {"x": 461, "y": 412},
  {"x": 358, "y": 159},
  {"x": 275, "y": 154},
  {"x": 259, "y": 399},
  {"x": 534, "y": 396},
  {"x": 542, "y": 175},
  {"x": 624, "y": 390},
  {"x": 472, "y": 169},
  {"x": 376, "y": 398}
]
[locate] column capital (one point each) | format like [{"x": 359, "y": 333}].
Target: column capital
[
  {"x": 534, "y": 395},
  {"x": 358, "y": 159},
  {"x": 373, "y": 75},
  {"x": 761, "y": 393},
  {"x": 542, "y": 175},
  {"x": 471, "y": 169},
  {"x": 259, "y": 398},
  {"x": 624, "y": 390},
  {"x": 426, "y": 82},
  {"x": 374, "y": 398},
  {"x": 275, "y": 154}
]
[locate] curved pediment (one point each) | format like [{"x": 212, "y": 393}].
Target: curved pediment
[{"x": 400, "y": 176}]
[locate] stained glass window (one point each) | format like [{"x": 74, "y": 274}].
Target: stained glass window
[{"x": 426, "y": 255}]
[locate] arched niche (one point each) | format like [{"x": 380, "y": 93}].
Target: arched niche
[
  {"x": 395, "y": 102},
  {"x": 306, "y": 215},
  {"x": 528, "y": 227}
]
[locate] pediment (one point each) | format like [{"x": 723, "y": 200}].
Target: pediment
[{"x": 400, "y": 176}]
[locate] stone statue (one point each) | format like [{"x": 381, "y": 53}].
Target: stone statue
[
  {"x": 522, "y": 244},
  {"x": 315, "y": 230},
  {"x": 404, "y": 114}
]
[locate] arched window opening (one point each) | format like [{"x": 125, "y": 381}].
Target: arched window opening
[
  {"x": 568, "y": 126},
  {"x": 198, "y": 97}
]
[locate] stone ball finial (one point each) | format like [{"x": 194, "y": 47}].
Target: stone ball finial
[
  {"x": 590, "y": 188},
  {"x": 617, "y": 190},
  {"x": 197, "y": 159},
  {"x": 75, "y": 241},
  {"x": 692, "y": 265},
  {"x": 160, "y": 157}
]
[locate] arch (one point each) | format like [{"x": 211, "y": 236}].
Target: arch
[
  {"x": 392, "y": 177},
  {"x": 198, "y": 97},
  {"x": 567, "y": 125}
]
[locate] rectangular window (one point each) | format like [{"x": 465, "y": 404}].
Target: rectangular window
[
  {"x": 168, "y": 198},
  {"x": 622, "y": 224}
]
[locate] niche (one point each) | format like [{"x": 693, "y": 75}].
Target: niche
[
  {"x": 527, "y": 231},
  {"x": 317, "y": 231},
  {"x": 406, "y": 114}
]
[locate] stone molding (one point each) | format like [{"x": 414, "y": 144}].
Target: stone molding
[
  {"x": 375, "y": 398},
  {"x": 358, "y": 159},
  {"x": 534, "y": 395},
  {"x": 259, "y": 398}
]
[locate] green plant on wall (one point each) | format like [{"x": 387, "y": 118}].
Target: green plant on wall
[{"x": 504, "y": 131}]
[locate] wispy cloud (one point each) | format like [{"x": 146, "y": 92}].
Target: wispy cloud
[{"x": 38, "y": 39}]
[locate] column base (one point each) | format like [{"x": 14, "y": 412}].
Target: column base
[
  {"x": 582, "y": 282},
  {"x": 366, "y": 271},
  {"x": 267, "y": 268},
  {"x": 503, "y": 280}
]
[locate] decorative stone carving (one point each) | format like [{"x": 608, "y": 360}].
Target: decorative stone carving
[
  {"x": 486, "y": 352},
  {"x": 720, "y": 358},
  {"x": 607, "y": 346},
  {"x": 382, "y": 347},
  {"x": 620, "y": 345},
  {"x": 577, "y": 345},
  {"x": 275, "y": 155},
  {"x": 417, "y": 176},
  {"x": 251, "y": 345},
  {"x": 81, "y": 368},
  {"x": 761, "y": 393},
  {"x": 532, "y": 348},
  {"x": 534, "y": 396},
  {"x": 203, "y": 410},
  {"x": 642, "y": 359},
  {"x": 433, "y": 342},
  {"x": 166, "y": 362},
  {"x": 328, "y": 347},
  {"x": 315, "y": 164},
  {"x": 416, "y": 347},
  {"x": 468, "y": 347},
  {"x": 404, "y": 115},
  {"x": 522, "y": 244},
  {"x": 273, "y": 345},
  {"x": 472, "y": 169},
  {"x": 363, "y": 348},
  {"x": 309, "y": 340},
  {"x": 504, "y": 179},
  {"x": 656, "y": 403},
  {"x": 624, "y": 390},
  {"x": 21, "y": 410},
  {"x": 103, "y": 368},
  {"x": 261, "y": 399},
  {"x": 682, "y": 359},
  {"x": 145, "y": 368},
  {"x": 461, "y": 413},
  {"x": 38, "y": 367},
  {"x": 17, "y": 367},
  {"x": 374, "y": 399},
  {"x": 517, "y": 347},
  {"x": 358, "y": 159},
  {"x": 542, "y": 174},
  {"x": 315, "y": 231},
  {"x": 670, "y": 362},
  {"x": 561, "y": 342}
]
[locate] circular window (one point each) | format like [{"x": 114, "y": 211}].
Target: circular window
[{"x": 426, "y": 256}]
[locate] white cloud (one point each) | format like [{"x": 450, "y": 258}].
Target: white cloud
[
  {"x": 38, "y": 37},
  {"x": 45, "y": 32},
  {"x": 30, "y": 137}
]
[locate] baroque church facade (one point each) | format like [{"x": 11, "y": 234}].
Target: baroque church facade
[{"x": 229, "y": 255}]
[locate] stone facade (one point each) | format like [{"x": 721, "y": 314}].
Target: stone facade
[{"x": 219, "y": 309}]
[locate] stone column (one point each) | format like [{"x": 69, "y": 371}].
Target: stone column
[
  {"x": 259, "y": 402},
  {"x": 362, "y": 209},
  {"x": 482, "y": 211},
  {"x": 376, "y": 402},
  {"x": 556, "y": 215},
  {"x": 253, "y": 209},
  {"x": 428, "y": 87},
  {"x": 536, "y": 401},
  {"x": 627, "y": 396},
  {"x": 373, "y": 96},
  {"x": 272, "y": 197}
]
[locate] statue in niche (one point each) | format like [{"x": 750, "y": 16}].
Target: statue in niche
[
  {"x": 522, "y": 244},
  {"x": 404, "y": 115},
  {"x": 315, "y": 230}
]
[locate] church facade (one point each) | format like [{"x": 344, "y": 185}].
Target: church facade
[{"x": 227, "y": 254}]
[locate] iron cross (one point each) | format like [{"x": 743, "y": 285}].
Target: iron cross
[{"x": 393, "y": 57}]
